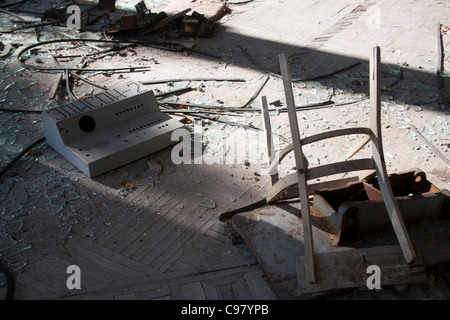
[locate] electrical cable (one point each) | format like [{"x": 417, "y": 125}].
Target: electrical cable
[
  {"x": 31, "y": 26},
  {"x": 192, "y": 79},
  {"x": 20, "y": 155},
  {"x": 228, "y": 215},
  {"x": 64, "y": 68},
  {"x": 203, "y": 106},
  {"x": 245, "y": 126},
  {"x": 9, "y": 283},
  {"x": 12, "y": 4}
]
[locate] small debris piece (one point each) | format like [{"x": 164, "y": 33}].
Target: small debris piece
[
  {"x": 5, "y": 49},
  {"x": 208, "y": 203},
  {"x": 128, "y": 185},
  {"x": 33, "y": 153},
  {"x": 156, "y": 167},
  {"x": 236, "y": 239},
  {"x": 202, "y": 19},
  {"x": 129, "y": 22},
  {"x": 276, "y": 103},
  {"x": 107, "y": 4}
]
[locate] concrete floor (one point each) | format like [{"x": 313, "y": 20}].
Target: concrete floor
[{"x": 158, "y": 241}]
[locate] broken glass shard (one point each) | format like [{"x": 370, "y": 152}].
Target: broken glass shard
[
  {"x": 11, "y": 226},
  {"x": 167, "y": 169},
  {"x": 53, "y": 209},
  {"x": 155, "y": 167},
  {"x": 56, "y": 193},
  {"x": 208, "y": 203},
  {"x": 4, "y": 75},
  {"x": 64, "y": 233},
  {"x": 43, "y": 201},
  {"x": 15, "y": 95},
  {"x": 16, "y": 249},
  {"x": 67, "y": 166},
  {"x": 70, "y": 194},
  {"x": 6, "y": 241},
  {"x": 21, "y": 195}
]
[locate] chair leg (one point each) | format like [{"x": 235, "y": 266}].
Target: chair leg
[
  {"x": 393, "y": 210},
  {"x": 377, "y": 147},
  {"x": 301, "y": 172}
]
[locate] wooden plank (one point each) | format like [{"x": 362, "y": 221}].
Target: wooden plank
[
  {"x": 163, "y": 233},
  {"x": 195, "y": 257},
  {"x": 242, "y": 290},
  {"x": 301, "y": 169},
  {"x": 171, "y": 238},
  {"x": 164, "y": 21},
  {"x": 340, "y": 167},
  {"x": 177, "y": 293},
  {"x": 194, "y": 291},
  {"x": 125, "y": 232},
  {"x": 202, "y": 224},
  {"x": 260, "y": 289},
  {"x": 155, "y": 293},
  {"x": 125, "y": 265},
  {"x": 163, "y": 298},
  {"x": 88, "y": 262},
  {"x": 347, "y": 269},
  {"x": 144, "y": 233},
  {"x": 322, "y": 136},
  {"x": 335, "y": 133},
  {"x": 127, "y": 296},
  {"x": 37, "y": 284},
  {"x": 58, "y": 266},
  {"x": 180, "y": 265},
  {"x": 220, "y": 281},
  {"x": 273, "y": 167},
  {"x": 210, "y": 292},
  {"x": 226, "y": 292},
  {"x": 24, "y": 292},
  {"x": 114, "y": 223},
  {"x": 219, "y": 235},
  {"x": 215, "y": 247},
  {"x": 147, "y": 283}
]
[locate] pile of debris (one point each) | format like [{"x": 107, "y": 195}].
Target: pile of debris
[{"x": 174, "y": 19}]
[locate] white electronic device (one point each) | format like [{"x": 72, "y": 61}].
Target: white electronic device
[{"x": 101, "y": 132}]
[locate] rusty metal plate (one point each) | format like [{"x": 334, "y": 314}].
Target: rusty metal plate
[
  {"x": 275, "y": 237},
  {"x": 274, "y": 234}
]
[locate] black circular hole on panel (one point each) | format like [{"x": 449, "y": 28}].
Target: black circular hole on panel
[{"x": 87, "y": 124}]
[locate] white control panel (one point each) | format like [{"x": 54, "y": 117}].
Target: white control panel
[{"x": 104, "y": 131}]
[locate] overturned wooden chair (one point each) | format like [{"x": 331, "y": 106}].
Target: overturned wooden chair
[{"x": 280, "y": 187}]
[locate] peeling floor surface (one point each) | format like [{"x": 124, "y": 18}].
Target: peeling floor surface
[{"x": 161, "y": 238}]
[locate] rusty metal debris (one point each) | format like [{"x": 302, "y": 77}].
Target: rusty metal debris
[{"x": 346, "y": 221}]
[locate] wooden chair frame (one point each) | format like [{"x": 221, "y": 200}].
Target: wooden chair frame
[{"x": 303, "y": 174}]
